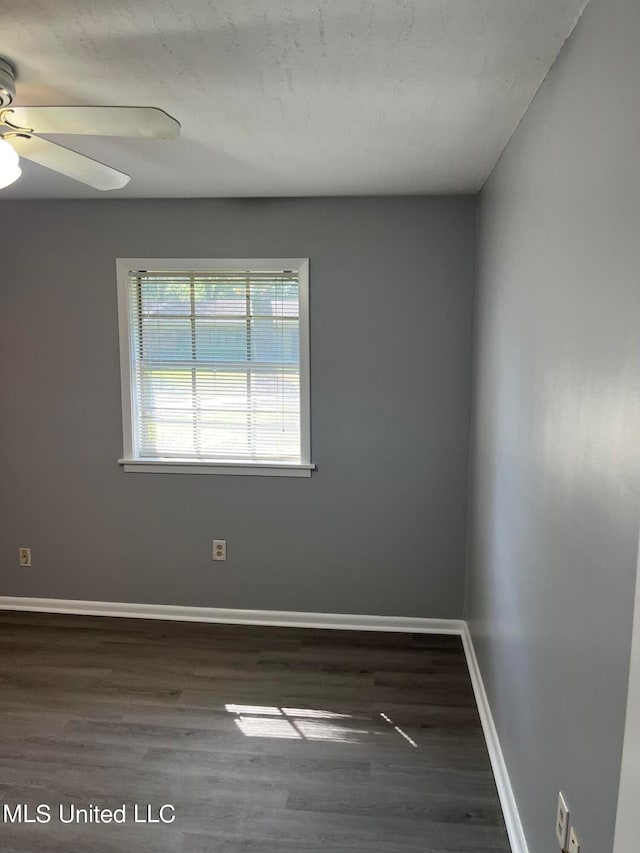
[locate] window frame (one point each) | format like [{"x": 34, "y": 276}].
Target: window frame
[{"x": 136, "y": 464}]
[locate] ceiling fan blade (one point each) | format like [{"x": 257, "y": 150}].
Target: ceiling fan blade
[
  {"x": 69, "y": 163},
  {"x": 94, "y": 121}
]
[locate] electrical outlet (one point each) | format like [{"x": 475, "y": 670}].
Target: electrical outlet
[
  {"x": 25, "y": 557},
  {"x": 562, "y": 821},
  {"x": 574, "y": 844},
  {"x": 219, "y": 549}
]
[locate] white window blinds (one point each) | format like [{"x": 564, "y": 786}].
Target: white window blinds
[{"x": 215, "y": 365}]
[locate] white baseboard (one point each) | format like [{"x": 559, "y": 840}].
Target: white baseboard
[
  {"x": 501, "y": 774},
  {"x": 282, "y": 618},
  {"x": 293, "y": 619}
]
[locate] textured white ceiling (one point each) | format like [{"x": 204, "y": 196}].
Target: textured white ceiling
[{"x": 289, "y": 97}]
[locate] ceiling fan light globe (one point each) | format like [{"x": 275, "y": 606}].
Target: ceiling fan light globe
[
  {"x": 10, "y": 169},
  {"x": 7, "y": 178}
]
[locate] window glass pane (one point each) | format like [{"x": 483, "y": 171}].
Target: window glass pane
[
  {"x": 276, "y": 435},
  {"x": 225, "y": 436},
  {"x": 221, "y": 389},
  {"x": 275, "y": 392},
  {"x": 221, "y": 340},
  {"x": 167, "y": 437},
  {"x": 280, "y": 300},
  {"x": 165, "y": 389},
  {"x": 166, "y": 296},
  {"x": 220, "y": 297},
  {"x": 275, "y": 341},
  {"x": 166, "y": 340}
]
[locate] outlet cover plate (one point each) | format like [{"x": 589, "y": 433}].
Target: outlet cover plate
[{"x": 562, "y": 821}]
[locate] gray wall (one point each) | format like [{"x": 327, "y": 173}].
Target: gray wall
[
  {"x": 380, "y": 528},
  {"x": 556, "y": 491}
]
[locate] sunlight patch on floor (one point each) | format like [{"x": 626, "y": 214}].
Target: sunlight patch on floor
[{"x": 270, "y": 721}]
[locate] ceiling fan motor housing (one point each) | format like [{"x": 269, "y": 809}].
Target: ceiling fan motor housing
[{"x": 7, "y": 83}]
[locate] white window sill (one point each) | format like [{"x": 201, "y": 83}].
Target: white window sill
[{"x": 251, "y": 469}]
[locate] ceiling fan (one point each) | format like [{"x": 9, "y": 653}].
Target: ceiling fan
[{"x": 20, "y": 128}]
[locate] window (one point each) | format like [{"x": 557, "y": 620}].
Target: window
[{"x": 215, "y": 366}]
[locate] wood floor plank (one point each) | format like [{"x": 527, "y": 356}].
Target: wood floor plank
[{"x": 265, "y": 739}]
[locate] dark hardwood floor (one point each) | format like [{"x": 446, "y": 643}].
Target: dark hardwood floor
[{"x": 266, "y": 740}]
